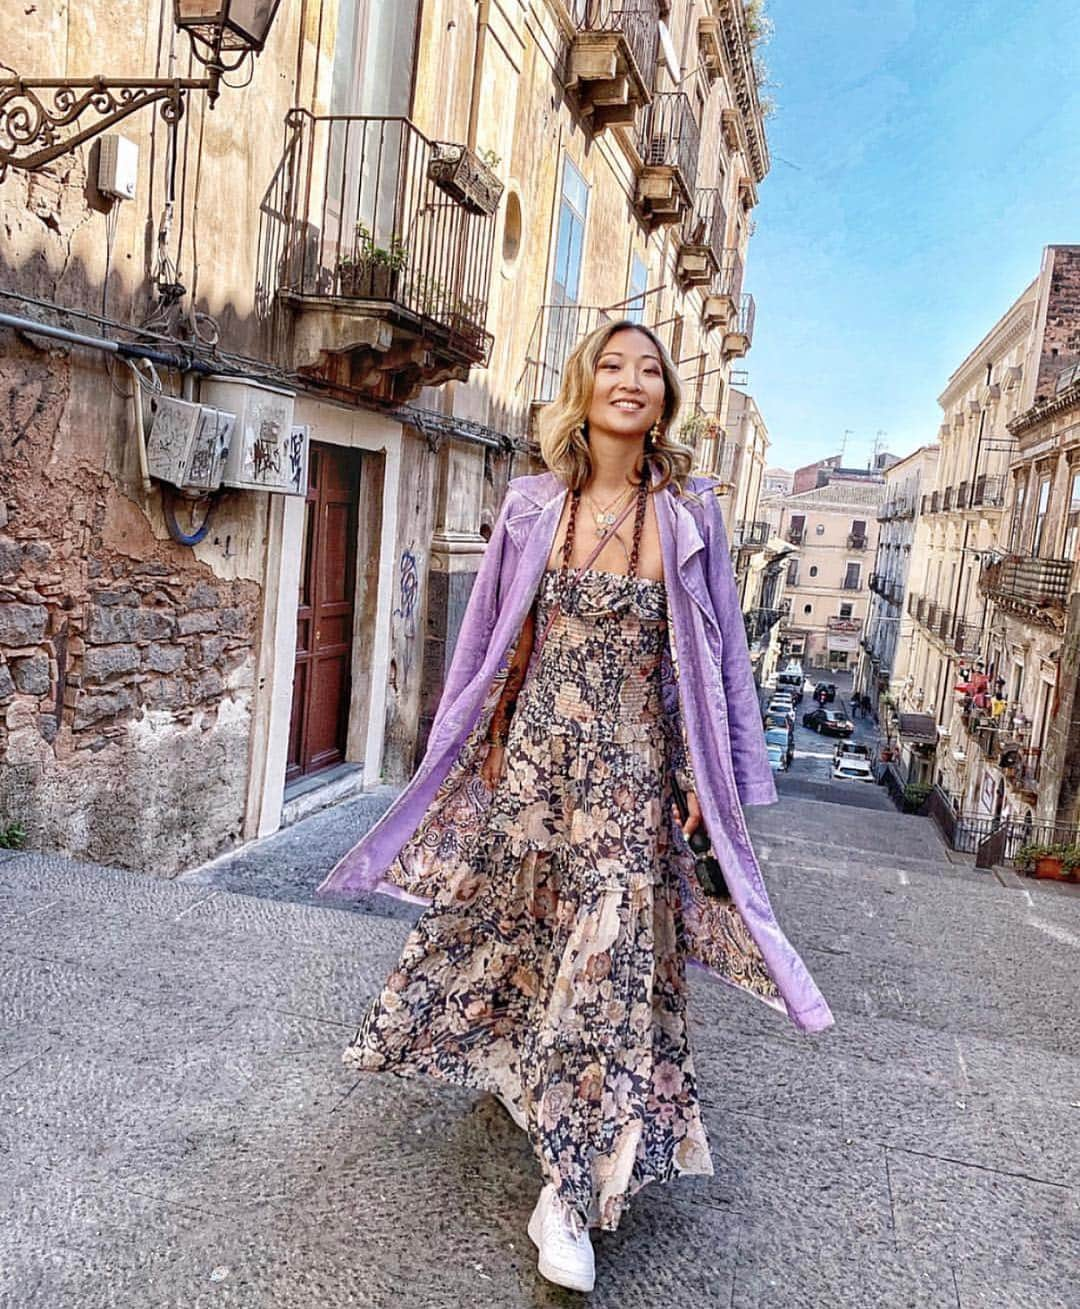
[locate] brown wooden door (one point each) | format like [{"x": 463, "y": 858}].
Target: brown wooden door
[{"x": 324, "y": 620}]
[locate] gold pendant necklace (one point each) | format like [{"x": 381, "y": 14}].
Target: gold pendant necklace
[{"x": 605, "y": 518}]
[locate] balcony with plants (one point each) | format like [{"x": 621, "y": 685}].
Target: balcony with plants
[
  {"x": 668, "y": 143},
  {"x": 385, "y": 256},
  {"x": 611, "y": 60}
]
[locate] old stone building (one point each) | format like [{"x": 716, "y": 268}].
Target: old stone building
[
  {"x": 374, "y": 252},
  {"x": 833, "y": 532},
  {"x": 988, "y": 505},
  {"x": 902, "y": 528}
]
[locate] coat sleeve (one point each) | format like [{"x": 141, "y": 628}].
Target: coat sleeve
[
  {"x": 753, "y": 776},
  {"x": 490, "y": 587}
]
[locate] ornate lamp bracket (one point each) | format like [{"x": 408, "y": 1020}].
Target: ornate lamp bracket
[{"x": 34, "y": 131}]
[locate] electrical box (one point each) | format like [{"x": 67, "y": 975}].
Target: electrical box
[
  {"x": 268, "y": 452},
  {"x": 187, "y": 443},
  {"x": 118, "y": 167}
]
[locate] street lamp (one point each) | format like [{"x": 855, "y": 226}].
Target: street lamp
[{"x": 33, "y": 132}]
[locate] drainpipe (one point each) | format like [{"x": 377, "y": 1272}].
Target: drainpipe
[{"x": 483, "y": 22}]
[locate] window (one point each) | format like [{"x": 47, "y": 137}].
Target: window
[
  {"x": 808, "y": 609},
  {"x": 851, "y": 577},
  {"x": 1018, "y": 511},
  {"x": 1038, "y": 528},
  {"x": 639, "y": 280},
  {"x": 798, "y": 527},
  {"x": 813, "y": 570},
  {"x": 1072, "y": 522},
  {"x": 793, "y": 572},
  {"x": 858, "y": 529},
  {"x": 820, "y": 529},
  {"x": 565, "y": 319},
  {"x": 846, "y": 611}
]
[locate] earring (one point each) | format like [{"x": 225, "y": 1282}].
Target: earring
[
  {"x": 653, "y": 435},
  {"x": 580, "y": 432}
]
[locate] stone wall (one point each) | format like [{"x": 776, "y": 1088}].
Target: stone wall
[{"x": 1061, "y": 338}]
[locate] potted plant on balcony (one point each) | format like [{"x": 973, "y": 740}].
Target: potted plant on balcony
[
  {"x": 371, "y": 271},
  {"x": 467, "y": 176}
]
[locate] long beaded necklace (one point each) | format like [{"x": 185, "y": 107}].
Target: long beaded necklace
[{"x": 635, "y": 547}]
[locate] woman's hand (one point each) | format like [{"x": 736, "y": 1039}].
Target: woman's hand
[
  {"x": 693, "y": 815},
  {"x": 493, "y": 767}
]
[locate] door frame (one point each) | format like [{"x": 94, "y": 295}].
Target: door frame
[{"x": 377, "y": 525}]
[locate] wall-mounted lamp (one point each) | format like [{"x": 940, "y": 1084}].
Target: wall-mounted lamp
[{"x": 33, "y": 133}]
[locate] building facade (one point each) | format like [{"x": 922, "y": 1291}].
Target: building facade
[
  {"x": 375, "y": 256},
  {"x": 902, "y": 528},
  {"x": 833, "y": 529}
]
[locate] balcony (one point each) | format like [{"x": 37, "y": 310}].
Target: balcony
[
  {"x": 795, "y": 535},
  {"x": 753, "y": 533},
  {"x": 668, "y": 142},
  {"x": 901, "y": 507},
  {"x": 856, "y": 541},
  {"x": 759, "y": 622},
  {"x": 929, "y": 615},
  {"x": 384, "y": 250},
  {"x": 967, "y": 639},
  {"x": 557, "y": 330},
  {"x": 846, "y": 625},
  {"x": 988, "y": 493},
  {"x": 612, "y": 59},
  {"x": 740, "y": 334},
  {"x": 703, "y": 231},
  {"x": 722, "y": 298},
  {"x": 1037, "y": 589}
]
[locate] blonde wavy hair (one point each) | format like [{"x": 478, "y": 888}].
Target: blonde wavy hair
[{"x": 564, "y": 442}]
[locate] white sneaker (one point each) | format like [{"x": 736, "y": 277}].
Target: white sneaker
[{"x": 566, "y": 1258}]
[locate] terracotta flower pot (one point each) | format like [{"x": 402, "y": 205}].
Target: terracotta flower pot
[{"x": 1051, "y": 868}]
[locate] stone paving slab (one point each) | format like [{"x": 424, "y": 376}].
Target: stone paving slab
[{"x": 176, "y": 1127}]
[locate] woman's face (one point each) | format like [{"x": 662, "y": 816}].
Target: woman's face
[{"x": 628, "y": 387}]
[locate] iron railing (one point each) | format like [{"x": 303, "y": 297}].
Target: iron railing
[
  {"x": 1027, "y": 582},
  {"x": 365, "y": 220},
  {"x": 856, "y": 541},
  {"x": 728, "y": 280},
  {"x": 901, "y": 507},
  {"x": 669, "y": 137},
  {"x": 557, "y": 330},
  {"x": 705, "y": 226},
  {"x": 635, "y": 20},
  {"x": 975, "y": 833},
  {"x": 967, "y": 639},
  {"x": 753, "y": 533},
  {"x": 759, "y": 622},
  {"x": 744, "y": 321},
  {"x": 795, "y": 535},
  {"x": 988, "y": 492}
]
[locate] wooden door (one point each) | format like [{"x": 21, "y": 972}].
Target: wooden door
[{"x": 324, "y": 619}]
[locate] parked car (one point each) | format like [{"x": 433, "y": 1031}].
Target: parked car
[
  {"x": 854, "y": 748},
  {"x": 784, "y": 739},
  {"x": 853, "y": 768},
  {"x": 825, "y": 692},
  {"x": 778, "y": 760},
  {"x": 781, "y": 708},
  {"x": 831, "y": 722}
]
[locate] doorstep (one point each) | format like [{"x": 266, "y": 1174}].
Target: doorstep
[{"x": 307, "y": 795}]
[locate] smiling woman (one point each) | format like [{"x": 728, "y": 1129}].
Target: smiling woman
[{"x": 550, "y": 969}]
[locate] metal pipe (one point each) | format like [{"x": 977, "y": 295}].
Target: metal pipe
[
  {"x": 483, "y": 22},
  {"x": 122, "y": 349}
]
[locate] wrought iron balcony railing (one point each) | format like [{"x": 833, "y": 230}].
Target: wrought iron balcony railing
[
  {"x": 795, "y": 535},
  {"x": 704, "y": 231},
  {"x": 753, "y": 533},
  {"x": 856, "y": 541},
  {"x": 759, "y": 622},
  {"x": 669, "y": 137},
  {"x": 377, "y": 215},
  {"x": 633, "y": 22},
  {"x": 1038, "y": 588},
  {"x": 557, "y": 330},
  {"x": 988, "y": 492}
]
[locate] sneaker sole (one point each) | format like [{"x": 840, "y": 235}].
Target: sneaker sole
[{"x": 555, "y": 1275}]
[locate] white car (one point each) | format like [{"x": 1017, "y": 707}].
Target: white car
[{"x": 852, "y": 768}]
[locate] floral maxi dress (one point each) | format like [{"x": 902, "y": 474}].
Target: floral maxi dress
[{"x": 550, "y": 967}]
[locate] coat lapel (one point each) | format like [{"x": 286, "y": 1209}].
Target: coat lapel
[{"x": 677, "y": 521}]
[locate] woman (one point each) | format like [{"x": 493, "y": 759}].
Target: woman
[{"x": 550, "y": 967}]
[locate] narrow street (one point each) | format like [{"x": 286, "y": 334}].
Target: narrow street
[{"x": 178, "y": 1130}]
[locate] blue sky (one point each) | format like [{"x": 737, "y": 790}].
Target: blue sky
[{"x": 922, "y": 155}]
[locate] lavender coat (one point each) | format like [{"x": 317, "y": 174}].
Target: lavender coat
[{"x": 717, "y": 695}]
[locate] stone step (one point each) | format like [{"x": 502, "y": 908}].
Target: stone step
[{"x": 800, "y": 849}]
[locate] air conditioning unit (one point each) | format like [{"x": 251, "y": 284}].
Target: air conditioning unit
[
  {"x": 187, "y": 444},
  {"x": 268, "y": 451}
]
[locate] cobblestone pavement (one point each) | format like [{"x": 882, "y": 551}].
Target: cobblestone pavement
[{"x": 176, "y": 1128}]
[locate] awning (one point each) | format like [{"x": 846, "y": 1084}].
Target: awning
[{"x": 919, "y": 728}]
